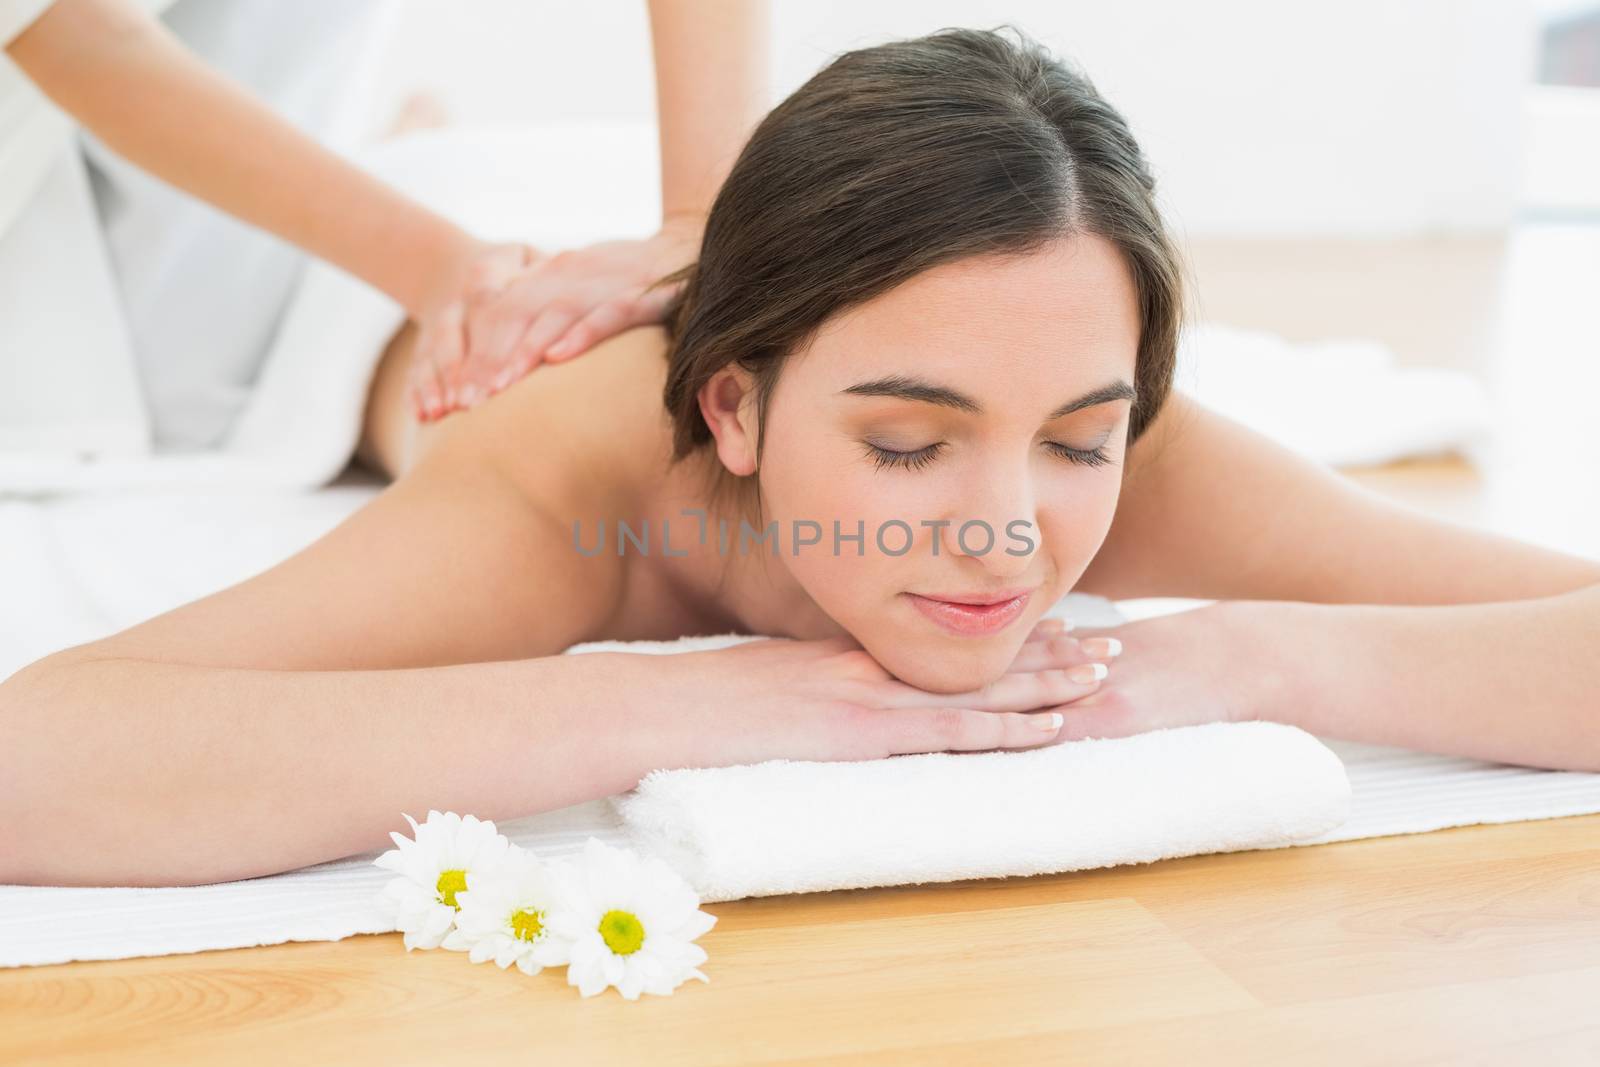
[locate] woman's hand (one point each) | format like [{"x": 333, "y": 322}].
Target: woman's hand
[
  {"x": 521, "y": 306},
  {"x": 1194, "y": 666},
  {"x": 831, "y": 700}
]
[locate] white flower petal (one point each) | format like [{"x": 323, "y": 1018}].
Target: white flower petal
[
  {"x": 587, "y": 976},
  {"x": 696, "y": 924},
  {"x": 437, "y": 922},
  {"x": 678, "y": 955},
  {"x": 552, "y": 951},
  {"x": 613, "y": 967},
  {"x": 392, "y": 860},
  {"x": 588, "y": 950},
  {"x": 488, "y": 852},
  {"x": 570, "y": 896}
]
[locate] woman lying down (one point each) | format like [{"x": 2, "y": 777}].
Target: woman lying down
[{"x": 917, "y": 388}]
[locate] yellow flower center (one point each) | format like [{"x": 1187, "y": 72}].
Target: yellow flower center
[
  {"x": 450, "y": 883},
  {"x": 622, "y": 932},
  {"x": 526, "y": 924}
]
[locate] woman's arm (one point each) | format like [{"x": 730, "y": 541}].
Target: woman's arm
[
  {"x": 1338, "y": 611},
  {"x": 711, "y": 66},
  {"x": 122, "y": 74},
  {"x": 131, "y": 771},
  {"x": 1514, "y": 681},
  {"x": 1212, "y": 509},
  {"x": 711, "y": 61},
  {"x": 406, "y": 661},
  {"x": 401, "y": 662}
]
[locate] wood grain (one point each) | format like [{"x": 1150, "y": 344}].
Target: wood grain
[{"x": 1478, "y": 944}]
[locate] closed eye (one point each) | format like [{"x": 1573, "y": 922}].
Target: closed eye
[
  {"x": 1093, "y": 457},
  {"x": 919, "y": 458},
  {"x": 913, "y": 460}
]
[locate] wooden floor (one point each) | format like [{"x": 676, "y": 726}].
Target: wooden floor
[{"x": 1476, "y": 945}]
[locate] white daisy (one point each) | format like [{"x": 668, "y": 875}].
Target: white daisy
[
  {"x": 503, "y": 914},
  {"x": 631, "y": 922},
  {"x": 433, "y": 869}
]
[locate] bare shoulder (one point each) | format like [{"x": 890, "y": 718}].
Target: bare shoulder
[
  {"x": 1185, "y": 486},
  {"x": 1213, "y": 509},
  {"x": 465, "y": 558},
  {"x": 586, "y": 433}
]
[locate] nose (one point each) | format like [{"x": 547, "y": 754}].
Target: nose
[{"x": 996, "y": 525}]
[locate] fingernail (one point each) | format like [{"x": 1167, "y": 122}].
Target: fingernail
[
  {"x": 1102, "y": 646},
  {"x": 1085, "y": 673},
  {"x": 559, "y": 349},
  {"x": 1048, "y": 723},
  {"x": 471, "y": 394}
]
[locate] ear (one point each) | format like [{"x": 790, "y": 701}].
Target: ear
[{"x": 728, "y": 404}]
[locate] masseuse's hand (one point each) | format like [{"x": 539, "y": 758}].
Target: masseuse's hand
[
  {"x": 517, "y": 312},
  {"x": 827, "y": 700},
  {"x": 1204, "y": 664},
  {"x": 479, "y": 271}
]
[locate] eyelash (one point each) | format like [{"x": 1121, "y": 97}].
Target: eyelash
[{"x": 886, "y": 457}]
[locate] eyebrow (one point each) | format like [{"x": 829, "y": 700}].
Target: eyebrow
[{"x": 903, "y": 387}]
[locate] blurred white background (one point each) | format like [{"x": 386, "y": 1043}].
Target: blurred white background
[{"x": 1367, "y": 117}]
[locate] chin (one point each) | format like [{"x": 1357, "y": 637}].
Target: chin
[{"x": 957, "y": 665}]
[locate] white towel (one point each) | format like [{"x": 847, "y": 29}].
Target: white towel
[
  {"x": 301, "y": 424},
  {"x": 796, "y": 827},
  {"x": 1304, "y": 394},
  {"x": 1392, "y": 791}
]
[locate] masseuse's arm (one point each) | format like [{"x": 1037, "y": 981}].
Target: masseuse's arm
[
  {"x": 1377, "y": 623},
  {"x": 711, "y": 62},
  {"x": 711, "y": 89},
  {"x": 123, "y": 75}
]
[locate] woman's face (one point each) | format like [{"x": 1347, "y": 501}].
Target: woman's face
[{"x": 969, "y": 424}]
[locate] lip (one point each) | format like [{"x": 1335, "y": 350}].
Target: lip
[
  {"x": 971, "y": 619},
  {"x": 981, "y": 599}
]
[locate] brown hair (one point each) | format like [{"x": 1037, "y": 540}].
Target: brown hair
[{"x": 894, "y": 159}]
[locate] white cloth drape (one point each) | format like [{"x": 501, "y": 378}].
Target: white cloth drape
[{"x": 133, "y": 317}]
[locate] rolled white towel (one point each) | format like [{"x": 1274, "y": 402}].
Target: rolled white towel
[{"x": 787, "y": 826}]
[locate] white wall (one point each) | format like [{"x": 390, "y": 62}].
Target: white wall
[{"x": 1261, "y": 117}]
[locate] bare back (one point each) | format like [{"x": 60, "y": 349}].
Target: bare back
[{"x": 467, "y": 556}]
